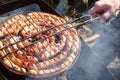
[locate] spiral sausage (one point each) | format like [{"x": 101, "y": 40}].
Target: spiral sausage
[
  {"x": 33, "y": 50},
  {"x": 67, "y": 62}
]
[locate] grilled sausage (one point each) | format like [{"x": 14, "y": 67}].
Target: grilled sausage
[
  {"x": 12, "y": 66},
  {"x": 19, "y": 57},
  {"x": 43, "y": 53},
  {"x": 12, "y": 26},
  {"x": 53, "y": 48},
  {"x": 67, "y": 62}
]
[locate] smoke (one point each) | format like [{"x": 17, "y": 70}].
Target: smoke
[
  {"x": 92, "y": 65},
  {"x": 108, "y": 43},
  {"x": 89, "y": 65}
]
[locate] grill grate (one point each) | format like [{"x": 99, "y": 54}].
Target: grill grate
[{"x": 25, "y": 54}]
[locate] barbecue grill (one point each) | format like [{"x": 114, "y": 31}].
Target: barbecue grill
[
  {"x": 56, "y": 53},
  {"x": 22, "y": 7}
]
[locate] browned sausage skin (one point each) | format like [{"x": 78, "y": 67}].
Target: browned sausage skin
[{"x": 34, "y": 50}]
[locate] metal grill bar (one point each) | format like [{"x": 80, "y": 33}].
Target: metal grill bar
[
  {"x": 87, "y": 21},
  {"x": 23, "y": 48},
  {"x": 43, "y": 46},
  {"x": 16, "y": 51},
  {"x": 9, "y": 59},
  {"x": 49, "y": 66},
  {"x": 50, "y": 35},
  {"x": 38, "y": 31}
]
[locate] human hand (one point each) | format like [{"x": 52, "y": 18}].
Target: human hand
[{"x": 105, "y": 8}]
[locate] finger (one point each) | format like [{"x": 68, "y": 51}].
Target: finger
[
  {"x": 95, "y": 9},
  {"x": 105, "y": 16},
  {"x": 98, "y": 8}
]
